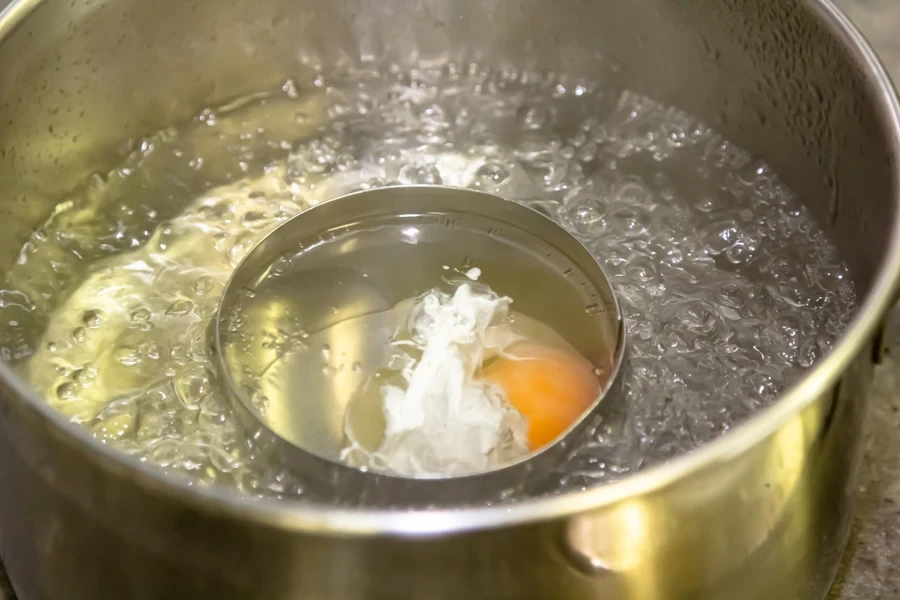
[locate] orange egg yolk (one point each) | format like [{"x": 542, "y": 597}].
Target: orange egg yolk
[{"x": 551, "y": 388}]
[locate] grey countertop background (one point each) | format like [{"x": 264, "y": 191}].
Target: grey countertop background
[{"x": 871, "y": 566}]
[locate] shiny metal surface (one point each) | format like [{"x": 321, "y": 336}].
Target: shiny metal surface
[
  {"x": 762, "y": 513},
  {"x": 522, "y": 254},
  {"x": 871, "y": 564}
]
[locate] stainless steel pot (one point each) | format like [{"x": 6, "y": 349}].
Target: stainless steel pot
[{"x": 761, "y": 513}]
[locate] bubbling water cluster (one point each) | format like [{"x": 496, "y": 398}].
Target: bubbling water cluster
[{"x": 730, "y": 289}]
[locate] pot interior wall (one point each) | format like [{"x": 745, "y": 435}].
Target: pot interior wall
[{"x": 81, "y": 76}]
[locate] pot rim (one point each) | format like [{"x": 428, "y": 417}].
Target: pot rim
[{"x": 298, "y": 516}]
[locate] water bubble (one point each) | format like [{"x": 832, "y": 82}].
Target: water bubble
[
  {"x": 92, "y": 319},
  {"x": 211, "y": 419},
  {"x": 86, "y": 374},
  {"x": 222, "y": 461},
  {"x": 127, "y": 356},
  {"x": 179, "y": 354},
  {"x": 696, "y": 317},
  {"x": 67, "y": 391},
  {"x": 141, "y": 315},
  {"x": 743, "y": 250},
  {"x": 290, "y": 89},
  {"x": 535, "y": 116},
  {"x": 633, "y": 193},
  {"x": 240, "y": 247},
  {"x": 249, "y": 482},
  {"x": 630, "y": 221},
  {"x": 490, "y": 175},
  {"x": 347, "y": 162},
  {"x": 587, "y": 152},
  {"x": 151, "y": 350},
  {"x": 423, "y": 174},
  {"x": 203, "y": 285},
  {"x": 192, "y": 384},
  {"x": 114, "y": 426},
  {"x": 253, "y": 218},
  {"x": 720, "y": 235},
  {"x": 179, "y": 308},
  {"x": 586, "y": 214},
  {"x": 828, "y": 276},
  {"x": 640, "y": 269},
  {"x": 315, "y": 157},
  {"x": 259, "y": 401},
  {"x": 385, "y": 155},
  {"x": 808, "y": 353}
]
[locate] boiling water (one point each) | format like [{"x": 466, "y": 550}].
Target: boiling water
[{"x": 730, "y": 290}]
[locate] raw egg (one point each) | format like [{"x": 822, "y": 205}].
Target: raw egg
[{"x": 550, "y": 387}]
